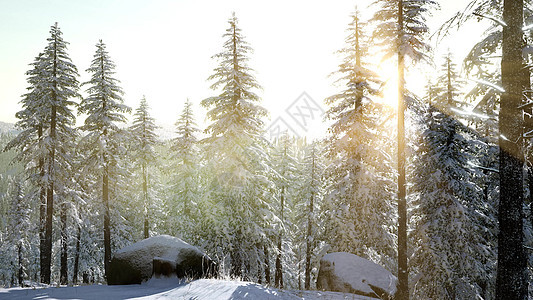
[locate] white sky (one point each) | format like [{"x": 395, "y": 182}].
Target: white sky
[{"x": 163, "y": 48}]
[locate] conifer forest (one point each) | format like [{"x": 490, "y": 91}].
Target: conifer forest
[{"x": 430, "y": 177}]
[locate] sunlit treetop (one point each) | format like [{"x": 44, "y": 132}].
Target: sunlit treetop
[
  {"x": 104, "y": 105},
  {"x": 413, "y": 29},
  {"x": 234, "y": 111}
]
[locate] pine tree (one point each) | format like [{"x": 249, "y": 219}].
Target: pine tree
[
  {"x": 62, "y": 85},
  {"x": 309, "y": 219},
  {"x": 184, "y": 202},
  {"x": 47, "y": 121},
  {"x": 104, "y": 108},
  {"x": 401, "y": 27},
  {"x": 239, "y": 189},
  {"x": 511, "y": 279},
  {"x": 515, "y": 78},
  {"x": 357, "y": 194},
  {"x": 447, "y": 212},
  {"x": 30, "y": 145},
  {"x": 285, "y": 168},
  {"x": 145, "y": 138},
  {"x": 19, "y": 229},
  {"x": 448, "y": 86}
]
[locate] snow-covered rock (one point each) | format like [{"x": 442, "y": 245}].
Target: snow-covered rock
[
  {"x": 135, "y": 263},
  {"x": 349, "y": 273}
]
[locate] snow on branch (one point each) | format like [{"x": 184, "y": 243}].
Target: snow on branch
[
  {"x": 497, "y": 21},
  {"x": 483, "y": 168},
  {"x": 489, "y": 84}
]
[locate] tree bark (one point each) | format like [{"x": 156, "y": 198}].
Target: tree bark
[
  {"x": 309, "y": 237},
  {"x": 63, "y": 277},
  {"x": 107, "y": 225},
  {"x": 403, "y": 273},
  {"x": 76, "y": 258},
  {"x": 511, "y": 279},
  {"x": 267, "y": 264},
  {"x": 50, "y": 199},
  {"x": 278, "y": 276},
  {"x": 42, "y": 215},
  {"x": 145, "y": 195},
  {"x": 20, "y": 267}
]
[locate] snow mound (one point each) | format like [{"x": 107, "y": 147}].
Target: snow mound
[
  {"x": 135, "y": 263},
  {"x": 349, "y": 273}
]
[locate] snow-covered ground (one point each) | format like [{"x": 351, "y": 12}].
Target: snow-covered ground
[{"x": 170, "y": 288}]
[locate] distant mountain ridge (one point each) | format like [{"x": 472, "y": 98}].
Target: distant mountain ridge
[
  {"x": 165, "y": 132},
  {"x": 7, "y": 128}
]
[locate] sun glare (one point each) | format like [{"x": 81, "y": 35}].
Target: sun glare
[{"x": 389, "y": 74}]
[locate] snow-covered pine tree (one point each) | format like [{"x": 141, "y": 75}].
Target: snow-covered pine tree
[
  {"x": 19, "y": 239},
  {"x": 449, "y": 254},
  {"x": 61, "y": 86},
  {"x": 515, "y": 90},
  {"x": 145, "y": 138},
  {"x": 307, "y": 212},
  {"x": 448, "y": 86},
  {"x": 401, "y": 26},
  {"x": 104, "y": 108},
  {"x": 356, "y": 193},
  {"x": 284, "y": 165},
  {"x": 237, "y": 156},
  {"x": 47, "y": 121},
  {"x": 29, "y": 143},
  {"x": 184, "y": 200}
]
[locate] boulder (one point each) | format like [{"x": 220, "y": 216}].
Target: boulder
[
  {"x": 161, "y": 255},
  {"x": 163, "y": 267},
  {"x": 349, "y": 273}
]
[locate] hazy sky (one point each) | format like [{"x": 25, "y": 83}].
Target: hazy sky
[{"x": 163, "y": 48}]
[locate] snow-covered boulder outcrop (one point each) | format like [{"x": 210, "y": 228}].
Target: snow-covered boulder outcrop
[
  {"x": 163, "y": 254},
  {"x": 349, "y": 273}
]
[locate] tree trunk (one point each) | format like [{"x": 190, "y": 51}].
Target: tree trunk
[
  {"x": 236, "y": 263},
  {"x": 267, "y": 264},
  {"x": 511, "y": 279},
  {"x": 145, "y": 195},
  {"x": 278, "y": 276},
  {"x": 20, "y": 267},
  {"x": 63, "y": 277},
  {"x": 259, "y": 264},
  {"x": 42, "y": 214},
  {"x": 48, "y": 234},
  {"x": 403, "y": 273},
  {"x": 107, "y": 229},
  {"x": 76, "y": 257},
  {"x": 50, "y": 197},
  {"x": 309, "y": 238}
]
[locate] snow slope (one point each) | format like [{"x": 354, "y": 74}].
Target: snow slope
[{"x": 170, "y": 288}]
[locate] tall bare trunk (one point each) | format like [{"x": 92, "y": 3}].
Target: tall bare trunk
[
  {"x": 107, "y": 225},
  {"x": 278, "y": 276},
  {"x": 76, "y": 257},
  {"x": 42, "y": 214},
  {"x": 309, "y": 238},
  {"x": 511, "y": 279},
  {"x": 403, "y": 273},
  {"x": 50, "y": 199},
  {"x": 145, "y": 195},
  {"x": 63, "y": 277},
  {"x": 267, "y": 264},
  {"x": 20, "y": 266}
]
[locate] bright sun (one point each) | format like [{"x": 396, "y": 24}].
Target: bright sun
[{"x": 389, "y": 74}]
